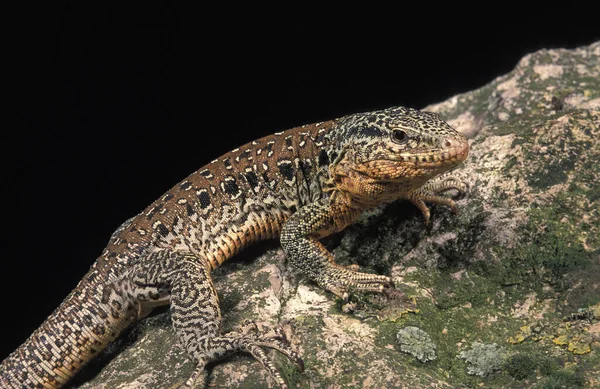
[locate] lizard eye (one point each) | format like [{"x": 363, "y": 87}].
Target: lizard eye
[{"x": 399, "y": 136}]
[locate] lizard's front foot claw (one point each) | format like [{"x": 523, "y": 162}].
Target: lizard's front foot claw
[{"x": 430, "y": 193}]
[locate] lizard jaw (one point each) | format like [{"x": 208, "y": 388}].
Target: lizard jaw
[{"x": 456, "y": 152}]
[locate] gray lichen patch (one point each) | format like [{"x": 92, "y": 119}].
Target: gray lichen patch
[
  {"x": 483, "y": 359},
  {"x": 416, "y": 342}
]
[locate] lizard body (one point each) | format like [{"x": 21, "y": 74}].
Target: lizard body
[{"x": 301, "y": 185}]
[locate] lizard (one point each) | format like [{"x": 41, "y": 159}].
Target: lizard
[{"x": 300, "y": 185}]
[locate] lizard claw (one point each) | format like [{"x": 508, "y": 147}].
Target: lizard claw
[
  {"x": 341, "y": 280},
  {"x": 430, "y": 193}
]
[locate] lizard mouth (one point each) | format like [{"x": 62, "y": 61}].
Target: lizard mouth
[
  {"x": 437, "y": 157},
  {"x": 416, "y": 163},
  {"x": 427, "y": 158}
]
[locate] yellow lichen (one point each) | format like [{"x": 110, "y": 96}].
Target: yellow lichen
[
  {"x": 524, "y": 333},
  {"x": 561, "y": 340},
  {"x": 578, "y": 346},
  {"x": 578, "y": 343},
  {"x": 394, "y": 315}
]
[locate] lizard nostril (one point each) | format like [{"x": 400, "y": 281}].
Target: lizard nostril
[{"x": 448, "y": 143}]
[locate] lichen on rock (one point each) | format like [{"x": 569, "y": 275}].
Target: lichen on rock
[
  {"x": 483, "y": 359},
  {"x": 416, "y": 342}
]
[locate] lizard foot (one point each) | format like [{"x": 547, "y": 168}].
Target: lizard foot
[
  {"x": 250, "y": 339},
  {"x": 430, "y": 193},
  {"x": 253, "y": 339},
  {"x": 340, "y": 280}
]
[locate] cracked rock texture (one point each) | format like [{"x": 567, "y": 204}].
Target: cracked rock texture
[{"x": 518, "y": 267}]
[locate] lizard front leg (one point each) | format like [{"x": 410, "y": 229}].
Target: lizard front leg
[
  {"x": 300, "y": 240},
  {"x": 430, "y": 193}
]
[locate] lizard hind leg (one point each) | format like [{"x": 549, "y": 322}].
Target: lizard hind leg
[{"x": 197, "y": 320}]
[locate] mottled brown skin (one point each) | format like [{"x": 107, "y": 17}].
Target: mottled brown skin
[{"x": 301, "y": 185}]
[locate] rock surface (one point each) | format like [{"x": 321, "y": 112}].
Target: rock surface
[{"x": 518, "y": 267}]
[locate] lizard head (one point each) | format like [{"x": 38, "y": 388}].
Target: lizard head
[{"x": 395, "y": 151}]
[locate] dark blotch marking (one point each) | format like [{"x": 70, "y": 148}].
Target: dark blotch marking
[
  {"x": 204, "y": 198},
  {"x": 169, "y": 197},
  {"x": 288, "y": 141},
  {"x": 231, "y": 187},
  {"x": 185, "y": 185},
  {"x": 265, "y": 177},
  {"x": 305, "y": 167},
  {"x": 206, "y": 173},
  {"x": 189, "y": 209},
  {"x": 370, "y": 131},
  {"x": 227, "y": 162},
  {"x": 246, "y": 154},
  {"x": 164, "y": 231},
  {"x": 252, "y": 179},
  {"x": 323, "y": 158},
  {"x": 287, "y": 170}
]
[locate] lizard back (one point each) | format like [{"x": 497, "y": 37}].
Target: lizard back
[{"x": 239, "y": 198}]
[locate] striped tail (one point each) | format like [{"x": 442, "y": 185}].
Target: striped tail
[{"x": 71, "y": 336}]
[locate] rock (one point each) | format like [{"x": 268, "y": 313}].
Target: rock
[
  {"x": 524, "y": 252},
  {"x": 417, "y": 343}
]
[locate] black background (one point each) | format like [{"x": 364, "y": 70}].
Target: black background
[{"x": 108, "y": 108}]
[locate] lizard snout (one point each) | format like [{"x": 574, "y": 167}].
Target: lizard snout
[{"x": 457, "y": 147}]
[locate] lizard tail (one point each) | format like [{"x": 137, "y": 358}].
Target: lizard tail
[{"x": 71, "y": 336}]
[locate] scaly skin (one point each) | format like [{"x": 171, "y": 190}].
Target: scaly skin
[{"x": 302, "y": 185}]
